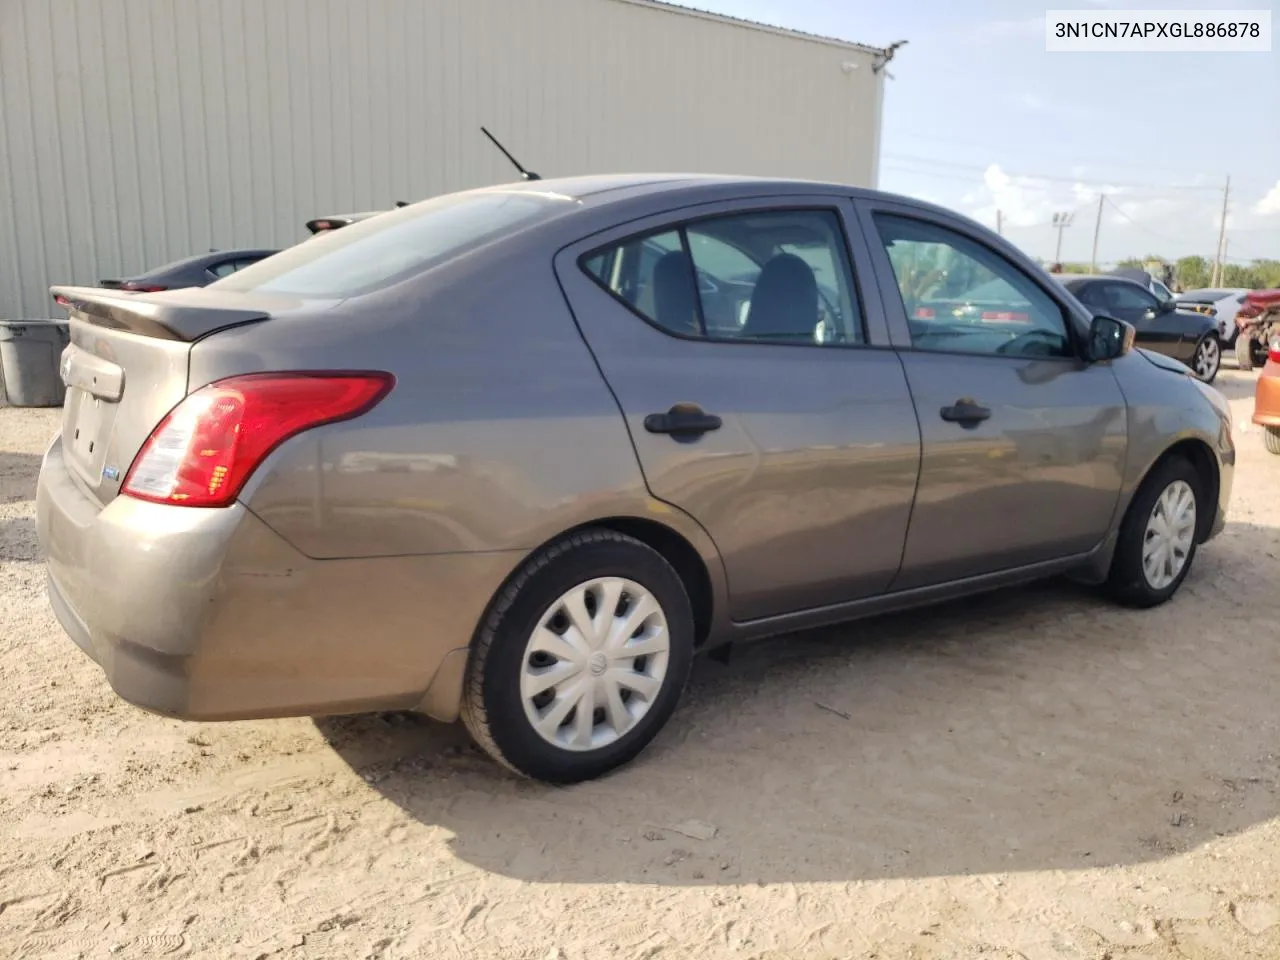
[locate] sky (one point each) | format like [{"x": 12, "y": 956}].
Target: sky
[{"x": 979, "y": 117}]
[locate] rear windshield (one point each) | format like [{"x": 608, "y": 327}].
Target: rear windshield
[{"x": 393, "y": 246}]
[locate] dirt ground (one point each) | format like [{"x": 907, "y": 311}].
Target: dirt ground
[{"x": 1030, "y": 775}]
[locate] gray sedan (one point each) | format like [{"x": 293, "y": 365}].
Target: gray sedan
[{"x": 518, "y": 454}]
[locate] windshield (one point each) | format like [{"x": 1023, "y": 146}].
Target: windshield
[{"x": 395, "y": 245}]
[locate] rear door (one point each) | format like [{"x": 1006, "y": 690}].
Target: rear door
[
  {"x": 1023, "y": 443},
  {"x": 759, "y": 391}
]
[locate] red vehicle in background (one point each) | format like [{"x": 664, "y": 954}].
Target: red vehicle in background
[
  {"x": 1259, "y": 343},
  {"x": 1257, "y": 322}
]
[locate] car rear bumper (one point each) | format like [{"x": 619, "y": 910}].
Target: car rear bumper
[
  {"x": 208, "y": 614},
  {"x": 1266, "y": 396}
]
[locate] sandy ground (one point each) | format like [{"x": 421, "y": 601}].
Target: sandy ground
[{"x": 1032, "y": 775}]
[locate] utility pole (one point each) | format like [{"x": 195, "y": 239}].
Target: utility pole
[
  {"x": 1222, "y": 237},
  {"x": 1097, "y": 229},
  {"x": 1000, "y": 222},
  {"x": 1060, "y": 222}
]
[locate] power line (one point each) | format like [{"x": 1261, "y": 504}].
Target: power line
[
  {"x": 997, "y": 146},
  {"x": 1143, "y": 227},
  {"x": 1050, "y": 178}
]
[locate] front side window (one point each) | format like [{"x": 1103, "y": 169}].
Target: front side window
[
  {"x": 1129, "y": 296},
  {"x": 960, "y": 296},
  {"x": 768, "y": 276}
]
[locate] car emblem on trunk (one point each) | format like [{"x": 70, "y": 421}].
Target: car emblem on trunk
[{"x": 110, "y": 473}]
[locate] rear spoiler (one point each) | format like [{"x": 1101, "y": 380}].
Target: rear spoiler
[{"x": 163, "y": 316}]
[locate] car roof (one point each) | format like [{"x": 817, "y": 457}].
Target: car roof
[
  {"x": 597, "y": 190},
  {"x": 1109, "y": 277}
]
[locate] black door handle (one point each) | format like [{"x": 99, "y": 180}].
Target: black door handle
[
  {"x": 683, "y": 422},
  {"x": 966, "y": 412}
]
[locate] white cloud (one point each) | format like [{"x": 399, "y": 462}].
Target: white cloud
[
  {"x": 1021, "y": 203},
  {"x": 1270, "y": 204}
]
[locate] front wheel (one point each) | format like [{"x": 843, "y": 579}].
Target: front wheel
[
  {"x": 1157, "y": 540},
  {"x": 581, "y": 659},
  {"x": 1208, "y": 357},
  {"x": 1271, "y": 439}
]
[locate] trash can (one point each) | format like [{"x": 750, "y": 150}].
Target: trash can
[{"x": 30, "y": 357}]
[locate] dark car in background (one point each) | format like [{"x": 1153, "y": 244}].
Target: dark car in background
[
  {"x": 198, "y": 271},
  {"x": 1184, "y": 335}
]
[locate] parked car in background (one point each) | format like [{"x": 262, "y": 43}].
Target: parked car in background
[
  {"x": 1184, "y": 335},
  {"x": 198, "y": 271},
  {"x": 325, "y": 224},
  {"x": 1266, "y": 396},
  {"x": 1257, "y": 320},
  {"x": 362, "y": 475},
  {"x": 1221, "y": 304}
]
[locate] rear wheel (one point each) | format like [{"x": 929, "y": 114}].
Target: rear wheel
[
  {"x": 1157, "y": 540},
  {"x": 581, "y": 660},
  {"x": 1208, "y": 357},
  {"x": 1271, "y": 439},
  {"x": 1244, "y": 351}
]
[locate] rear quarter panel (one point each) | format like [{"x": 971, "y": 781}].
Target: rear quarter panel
[{"x": 499, "y": 435}]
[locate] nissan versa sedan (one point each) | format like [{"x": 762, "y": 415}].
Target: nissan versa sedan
[{"x": 517, "y": 454}]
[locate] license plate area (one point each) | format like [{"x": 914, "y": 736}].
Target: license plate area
[{"x": 86, "y": 432}]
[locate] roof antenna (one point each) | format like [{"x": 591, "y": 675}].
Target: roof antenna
[
  {"x": 525, "y": 174},
  {"x": 885, "y": 56}
]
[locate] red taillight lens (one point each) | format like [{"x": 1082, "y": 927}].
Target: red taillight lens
[
  {"x": 1273, "y": 350},
  {"x": 202, "y": 453},
  {"x": 925, "y": 313},
  {"x": 133, "y": 287}
]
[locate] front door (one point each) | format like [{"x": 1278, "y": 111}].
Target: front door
[
  {"x": 1023, "y": 443},
  {"x": 736, "y": 344}
]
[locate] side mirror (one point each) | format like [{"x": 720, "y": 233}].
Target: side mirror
[
  {"x": 1108, "y": 338},
  {"x": 1167, "y": 306}
]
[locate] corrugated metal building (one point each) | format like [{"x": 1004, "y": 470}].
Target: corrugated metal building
[{"x": 134, "y": 132}]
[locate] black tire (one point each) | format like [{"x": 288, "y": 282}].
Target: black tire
[
  {"x": 492, "y": 708},
  {"x": 1217, "y": 365},
  {"x": 1271, "y": 439},
  {"x": 1244, "y": 352},
  {"x": 1127, "y": 582}
]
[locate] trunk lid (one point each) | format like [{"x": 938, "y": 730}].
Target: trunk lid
[{"x": 126, "y": 366}]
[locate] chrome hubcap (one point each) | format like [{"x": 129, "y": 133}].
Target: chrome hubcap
[
  {"x": 1208, "y": 356},
  {"x": 1171, "y": 529},
  {"x": 595, "y": 663}
]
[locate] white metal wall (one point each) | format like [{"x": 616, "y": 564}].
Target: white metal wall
[{"x": 134, "y": 132}]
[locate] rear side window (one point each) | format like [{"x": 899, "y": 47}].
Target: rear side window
[
  {"x": 774, "y": 276},
  {"x": 395, "y": 245},
  {"x": 228, "y": 267}
]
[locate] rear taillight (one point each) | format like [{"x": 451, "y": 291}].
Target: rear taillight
[
  {"x": 925, "y": 313},
  {"x": 1273, "y": 350},
  {"x": 202, "y": 453}
]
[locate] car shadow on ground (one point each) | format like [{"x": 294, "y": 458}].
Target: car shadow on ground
[{"x": 1032, "y": 729}]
